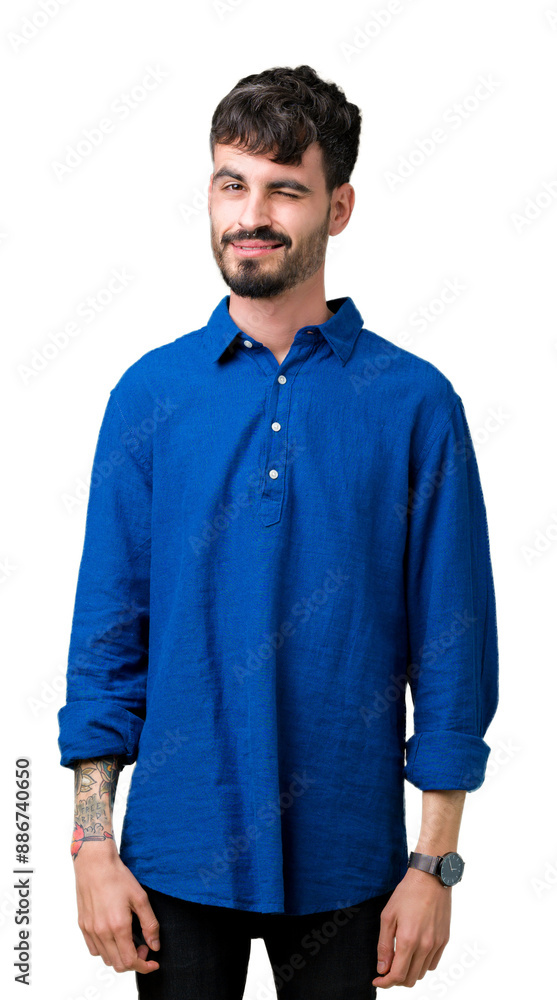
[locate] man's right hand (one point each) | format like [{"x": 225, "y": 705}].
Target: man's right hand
[{"x": 107, "y": 895}]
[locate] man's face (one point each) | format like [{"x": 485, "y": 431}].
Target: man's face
[{"x": 255, "y": 201}]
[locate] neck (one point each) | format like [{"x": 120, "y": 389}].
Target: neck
[{"x": 274, "y": 322}]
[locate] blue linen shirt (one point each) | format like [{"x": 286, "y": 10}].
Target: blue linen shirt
[{"x": 273, "y": 554}]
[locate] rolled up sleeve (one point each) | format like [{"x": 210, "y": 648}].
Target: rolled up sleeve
[
  {"x": 451, "y": 615},
  {"x": 108, "y": 651}
]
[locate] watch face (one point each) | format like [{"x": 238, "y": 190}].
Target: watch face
[{"x": 451, "y": 869}]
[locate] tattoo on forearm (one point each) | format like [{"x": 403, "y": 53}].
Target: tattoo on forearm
[{"x": 95, "y": 791}]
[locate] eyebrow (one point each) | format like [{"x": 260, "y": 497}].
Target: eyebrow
[{"x": 286, "y": 182}]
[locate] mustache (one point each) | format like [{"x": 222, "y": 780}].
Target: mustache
[{"x": 270, "y": 237}]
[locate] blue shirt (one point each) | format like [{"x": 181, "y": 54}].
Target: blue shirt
[{"x": 272, "y": 554}]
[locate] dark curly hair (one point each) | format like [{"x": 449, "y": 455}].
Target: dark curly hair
[{"x": 283, "y": 110}]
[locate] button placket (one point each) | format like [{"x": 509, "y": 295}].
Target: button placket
[{"x": 276, "y": 449}]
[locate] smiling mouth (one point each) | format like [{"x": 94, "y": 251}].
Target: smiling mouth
[{"x": 255, "y": 249}]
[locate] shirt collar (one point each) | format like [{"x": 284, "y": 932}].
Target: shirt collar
[{"x": 340, "y": 330}]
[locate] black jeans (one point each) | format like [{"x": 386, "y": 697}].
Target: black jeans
[{"x": 205, "y": 950}]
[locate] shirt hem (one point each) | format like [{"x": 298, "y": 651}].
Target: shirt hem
[{"x": 249, "y": 905}]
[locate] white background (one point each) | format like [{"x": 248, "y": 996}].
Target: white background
[{"x": 138, "y": 202}]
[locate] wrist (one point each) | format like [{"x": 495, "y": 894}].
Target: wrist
[
  {"x": 417, "y": 876},
  {"x": 437, "y": 847},
  {"x": 447, "y": 867},
  {"x": 92, "y": 846},
  {"x": 95, "y": 858}
]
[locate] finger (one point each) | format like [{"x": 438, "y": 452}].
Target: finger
[
  {"x": 436, "y": 957},
  {"x": 399, "y": 967},
  {"x": 129, "y": 955},
  {"x": 426, "y": 965},
  {"x": 419, "y": 962},
  {"x": 104, "y": 938},
  {"x": 385, "y": 945},
  {"x": 149, "y": 966},
  {"x": 111, "y": 946},
  {"x": 149, "y": 923},
  {"x": 90, "y": 943},
  {"x": 123, "y": 961},
  {"x": 99, "y": 945}
]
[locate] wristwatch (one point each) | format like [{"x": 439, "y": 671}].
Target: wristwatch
[{"x": 448, "y": 867}]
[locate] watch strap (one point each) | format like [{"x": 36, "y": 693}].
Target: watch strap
[{"x": 425, "y": 862}]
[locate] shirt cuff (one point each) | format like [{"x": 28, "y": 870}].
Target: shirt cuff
[
  {"x": 446, "y": 759},
  {"x": 92, "y": 729}
]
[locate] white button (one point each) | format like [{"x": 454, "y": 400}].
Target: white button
[
  {"x": 276, "y": 426},
  {"x": 248, "y": 343},
  {"x": 273, "y": 473},
  {"x": 281, "y": 379}
]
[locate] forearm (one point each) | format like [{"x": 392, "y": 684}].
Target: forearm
[
  {"x": 108, "y": 894},
  {"x": 441, "y": 818},
  {"x": 94, "y": 794}
]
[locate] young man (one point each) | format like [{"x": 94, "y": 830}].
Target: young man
[{"x": 285, "y": 530}]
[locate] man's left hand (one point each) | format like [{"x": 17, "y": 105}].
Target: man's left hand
[{"x": 418, "y": 914}]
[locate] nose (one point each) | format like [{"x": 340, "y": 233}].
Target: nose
[{"x": 253, "y": 217}]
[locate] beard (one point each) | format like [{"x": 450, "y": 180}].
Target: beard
[{"x": 258, "y": 277}]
